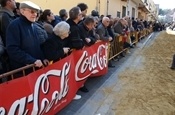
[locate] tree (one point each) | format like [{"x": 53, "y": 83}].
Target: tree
[{"x": 165, "y": 12}]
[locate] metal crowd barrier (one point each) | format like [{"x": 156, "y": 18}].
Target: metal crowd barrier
[
  {"x": 22, "y": 70},
  {"x": 116, "y": 46},
  {"x": 115, "y": 49}
]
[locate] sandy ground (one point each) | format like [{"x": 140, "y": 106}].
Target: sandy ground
[{"x": 148, "y": 85}]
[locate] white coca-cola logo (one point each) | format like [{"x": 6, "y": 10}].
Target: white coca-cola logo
[
  {"x": 91, "y": 63},
  {"x": 42, "y": 86}
]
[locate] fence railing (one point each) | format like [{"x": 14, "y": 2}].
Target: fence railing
[{"x": 116, "y": 46}]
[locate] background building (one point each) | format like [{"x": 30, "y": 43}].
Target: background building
[{"x": 142, "y": 9}]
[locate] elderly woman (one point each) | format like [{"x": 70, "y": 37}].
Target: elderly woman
[{"x": 53, "y": 48}]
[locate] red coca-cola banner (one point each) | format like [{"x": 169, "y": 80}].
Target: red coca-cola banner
[{"x": 50, "y": 89}]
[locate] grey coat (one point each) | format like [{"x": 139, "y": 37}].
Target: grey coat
[
  {"x": 103, "y": 32},
  {"x": 118, "y": 28}
]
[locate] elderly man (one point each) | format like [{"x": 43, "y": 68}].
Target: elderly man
[
  {"x": 102, "y": 30},
  {"x": 103, "y": 33},
  {"x": 23, "y": 44}
]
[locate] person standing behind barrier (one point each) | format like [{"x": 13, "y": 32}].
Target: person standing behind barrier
[
  {"x": 47, "y": 17},
  {"x": 103, "y": 33},
  {"x": 129, "y": 29},
  {"x": 23, "y": 44},
  {"x": 83, "y": 7},
  {"x": 95, "y": 13},
  {"x": 16, "y": 10},
  {"x": 121, "y": 28},
  {"x": 86, "y": 31},
  {"x": 110, "y": 28},
  {"x": 74, "y": 40},
  {"x": 53, "y": 48},
  {"x": 88, "y": 36},
  {"x": 6, "y": 16},
  {"x": 40, "y": 31},
  {"x": 63, "y": 15},
  {"x": 96, "y": 19},
  {"x": 134, "y": 23},
  {"x": 102, "y": 30}
]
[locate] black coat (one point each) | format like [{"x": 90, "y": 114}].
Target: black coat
[
  {"x": 74, "y": 40},
  {"x": 86, "y": 33},
  {"x": 53, "y": 48}
]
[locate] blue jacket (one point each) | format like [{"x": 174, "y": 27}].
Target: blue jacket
[{"x": 22, "y": 43}]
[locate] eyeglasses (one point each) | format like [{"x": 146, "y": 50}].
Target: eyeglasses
[{"x": 31, "y": 11}]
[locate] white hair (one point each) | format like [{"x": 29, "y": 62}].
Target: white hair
[
  {"x": 61, "y": 28},
  {"x": 105, "y": 19}
]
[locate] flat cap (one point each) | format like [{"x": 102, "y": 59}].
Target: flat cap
[{"x": 29, "y": 4}]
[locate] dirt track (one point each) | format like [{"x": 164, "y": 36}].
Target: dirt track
[{"x": 148, "y": 85}]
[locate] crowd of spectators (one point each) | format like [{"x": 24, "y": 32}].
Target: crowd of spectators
[{"x": 31, "y": 35}]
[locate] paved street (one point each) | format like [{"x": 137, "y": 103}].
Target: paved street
[{"x": 101, "y": 98}]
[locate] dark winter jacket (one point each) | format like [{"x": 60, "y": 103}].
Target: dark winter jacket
[
  {"x": 41, "y": 32},
  {"x": 86, "y": 33},
  {"x": 74, "y": 40},
  {"x": 23, "y": 44},
  {"x": 6, "y": 17},
  {"x": 53, "y": 48}
]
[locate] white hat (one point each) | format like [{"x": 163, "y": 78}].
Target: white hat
[{"x": 29, "y": 4}]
